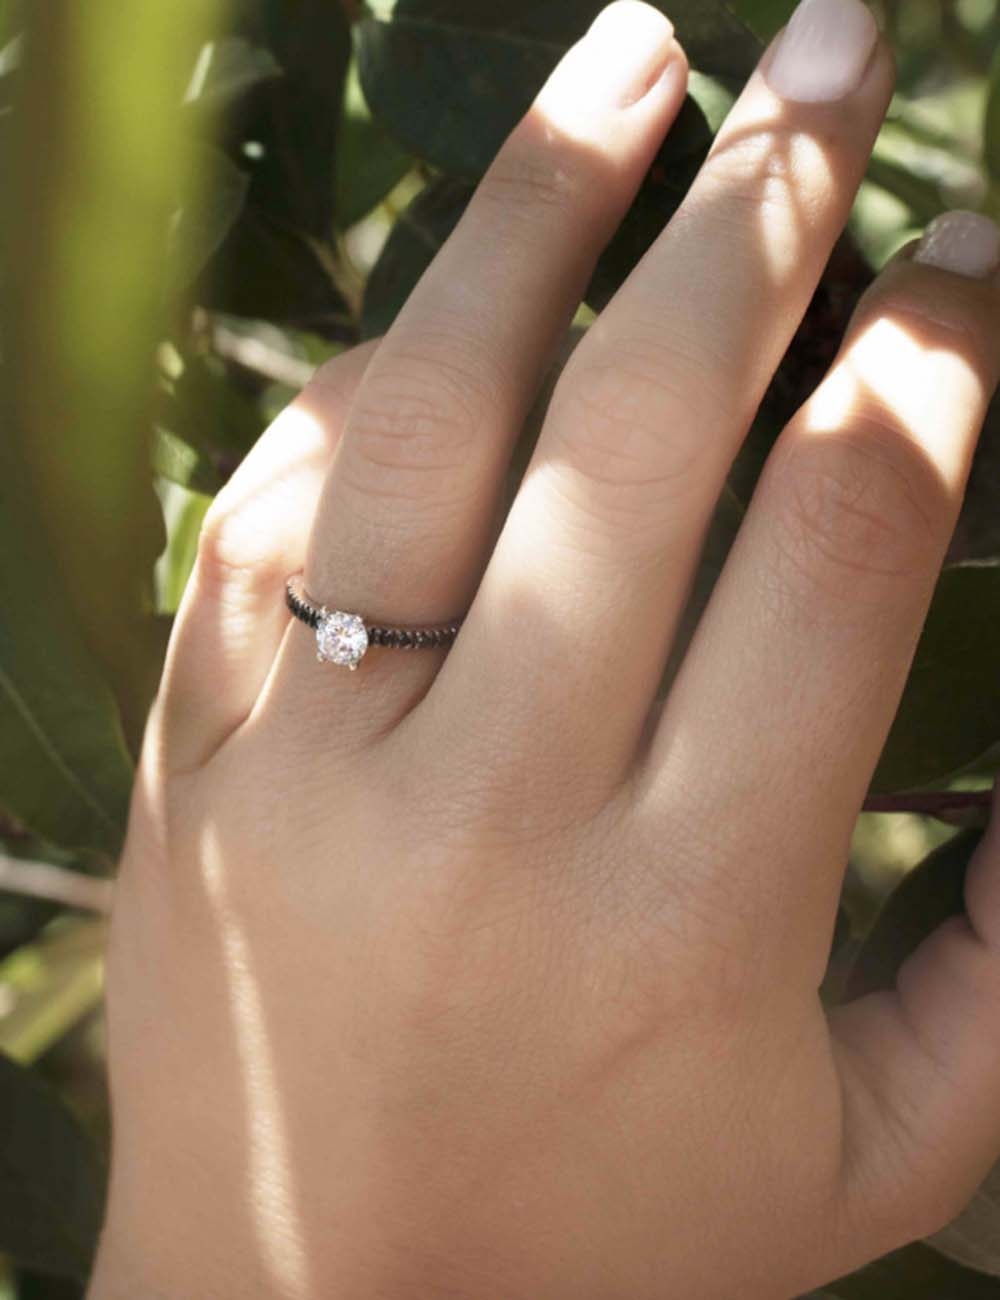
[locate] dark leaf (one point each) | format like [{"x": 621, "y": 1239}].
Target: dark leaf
[
  {"x": 450, "y": 79},
  {"x": 264, "y": 269},
  {"x": 23, "y": 917},
  {"x": 950, "y": 711},
  {"x": 369, "y": 162},
  {"x": 181, "y": 463},
  {"x": 922, "y": 197},
  {"x": 64, "y": 768},
  {"x": 666, "y": 184},
  {"x": 36, "y": 1286},
  {"x": 764, "y": 17},
  {"x": 927, "y": 895},
  {"x": 807, "y": 361},
  {"x": 228, "y": 68},
  {"x": 286, "y": 128},
  {"x": 914, "y": 1273},
  {"x": 977, "y": 536},
  {"x": 51, "y": 1187},
  {"x": 416, "y": 237},
  {"x": 21, "y": 920},
  {"x": 211, "y": 411},
  {"x": 204, "y": 220},
  {"x": 721, "y": 534}
]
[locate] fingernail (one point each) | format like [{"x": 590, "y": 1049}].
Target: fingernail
[
  {"x": 966, "y": 243},
  {"x": 632, "y": 44},
  {"x": 823, "y": 52}
]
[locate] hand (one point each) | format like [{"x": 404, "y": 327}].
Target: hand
[{"x": 472, "y": 973}]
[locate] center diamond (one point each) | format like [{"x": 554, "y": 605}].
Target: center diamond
[{"x": 341, "y": 639}]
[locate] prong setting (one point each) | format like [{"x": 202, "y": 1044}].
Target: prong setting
[{"x": 341, "y": 638}]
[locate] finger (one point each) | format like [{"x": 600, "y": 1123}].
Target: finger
[
  {"x": 232, "y": 616},
  {"x": 920, "y": 1066},
  {"x": 409, "y": 510},
  {"x": 600, "y": 547},
  {"x": 787, "y": 693}
]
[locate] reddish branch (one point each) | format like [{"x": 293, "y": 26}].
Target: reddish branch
[{"x": 931, "y": 804}]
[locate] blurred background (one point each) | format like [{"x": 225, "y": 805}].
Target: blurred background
[{"x": 201, "y": 201}]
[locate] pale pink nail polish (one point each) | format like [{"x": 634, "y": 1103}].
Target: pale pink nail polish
[
  {"x": 965, "y": 243},
  {"x": 823, "y": 52}
]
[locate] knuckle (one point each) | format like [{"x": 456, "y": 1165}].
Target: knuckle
[
  {"x": 856, "y": 511},
  {"x": 958, "y": 318},
  {"x": 231, "y": 552},
  {"x": 527, "y": 178},
  {"x": 414, "y": 424},
  {"x": 776, "y": 170},
  {"x": 628, "y": 426}
]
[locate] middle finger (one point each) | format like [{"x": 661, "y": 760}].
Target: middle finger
[{"x": 591, "y": 573}]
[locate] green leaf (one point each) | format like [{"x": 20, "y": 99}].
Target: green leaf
[
  {"x": 991, "y": 128},
  {"x": 914, "y": 1273},
  {"x": 764, "y": 17},
  {"x": 422, "y": 228},
  {"x": 451, "y": 78},
  {"x": 432, "y": 215},
  {"x": 977, "y": 535},
  {"x": 84, "y": 308},
  {"x": 51, "y": 1187},
  {"x": 369, "y": 162},
  {"x": 54, "y": 984},
  {"x": 666, "y": 184},
  {"x": 184, "y": 512},
  {"x": 36, "y": 1286},
  {"x": 226, "y": 70},
  {"x": 266, "y": 270},
  {"x": 928, "y": 895},
  {"x": 812, "y": 352},
  {"x": 64, "y": 767},
  {"x": 922, "y": 197},
  {"x": 178, "y": 462},
  {"x": 722, "y": 531},
  {"x": 950, "y": 711},
  {"x": 204, "y": 220},
  {"x": 22, "y": 917},
  {"x": 212, "y": 412},
  {"x": 287, "y": 127}
]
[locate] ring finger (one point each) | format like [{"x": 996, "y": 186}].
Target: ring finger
[{"x": 409, "y": 508}]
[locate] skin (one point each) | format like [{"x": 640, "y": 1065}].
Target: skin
[{"x": 476, "y": 974}]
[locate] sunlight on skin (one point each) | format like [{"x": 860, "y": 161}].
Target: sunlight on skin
[
  {"x": 783, "y": 165},
  {"x": 573, "y": 104},
  {"x": 269, "y": 1181},
  {"x": 270, "y": 485},
  {"x": 886, "y": 365},
  {"x": 788, "y": 165}
]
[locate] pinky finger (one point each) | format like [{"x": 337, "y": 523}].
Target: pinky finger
[{"x": 920, "y": 1065}]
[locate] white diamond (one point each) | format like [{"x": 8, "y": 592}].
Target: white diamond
[{"x": 341, "y": 639}]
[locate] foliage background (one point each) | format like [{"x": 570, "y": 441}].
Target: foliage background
[{"x": 201, "y": 202}]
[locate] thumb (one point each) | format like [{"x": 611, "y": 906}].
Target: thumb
[{"x": 920, "y": 1066}]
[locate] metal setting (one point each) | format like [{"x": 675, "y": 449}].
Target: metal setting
[{"x": 344, "y": 639}]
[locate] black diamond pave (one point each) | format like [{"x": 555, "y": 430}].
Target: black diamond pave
[{"x": 392, "y": 638}]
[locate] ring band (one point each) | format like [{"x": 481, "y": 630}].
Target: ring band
[{"x": 344, "y": 639}]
